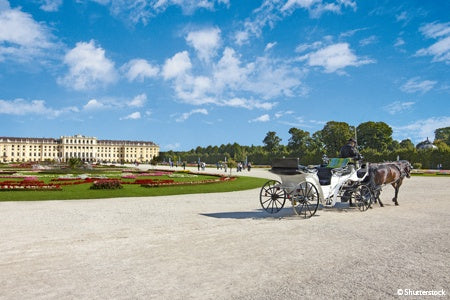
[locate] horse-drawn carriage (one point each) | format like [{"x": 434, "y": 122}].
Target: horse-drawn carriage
[{"x": 341, "y": 180}]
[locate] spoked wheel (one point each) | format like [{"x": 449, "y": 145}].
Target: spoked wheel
[
  {"x": 305, "y": 200},
  {"x": 272, "y": 197},
  {"x": 362, "y": 197}
]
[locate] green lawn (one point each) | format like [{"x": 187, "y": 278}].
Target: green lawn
[{"x": 82, "y": 191}]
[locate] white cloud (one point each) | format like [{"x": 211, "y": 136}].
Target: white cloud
[
  {"x": 420, "y": 129},
  {"x": 138, "y": 101},
  {"x": 93, "y": 104},
  {"x": 231, "y": 82},
  {"x": 132, "y": 116},
  {"x": 399, "y": 42},
  {"x": 50, "y": 5},
  {"x": 177, "y": 65},
  {"x": 263, "y": 118},
  {"x": 270, "y": 46},
  {"x": 369, "y": 40},
  {"x": 205, "y": 42},
  {"x": 141, "y": 11},
  {"x": 187, "y": 115},
  {"x": 307, "y": 47},
  {"x": 317, "y": 7},
  {"x": 228, "y": 71},
  {"x": 271, "y": 12},
  {"x": 415, "y": 85},
  {"x": 280, "y": 114},
  {"x": 139, "y": 69},
  {"x": 334, "y": 58},
  {"x": 4, "y": 5},
  {"x": 435, "y": 30},
  {"x": 21, "y": 37},
  {"x": 441, "y": 49},
  {"x": 271, "y": 78},
  {"x": 194, "y": 90},
  {"x": 402, "y": 16},
  {"x": 398, "y": 107},
  {"x": 247, "y": 103},
  {"x": 21, "y": 107},
  {"x": 88, "y": 67}
]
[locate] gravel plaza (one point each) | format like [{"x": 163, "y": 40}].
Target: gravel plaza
[{"x": 224, "y": 246}]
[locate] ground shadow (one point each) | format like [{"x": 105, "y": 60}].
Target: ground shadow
[
  {"x": 256, "y": 214},
  {"x": 286, "y": 212}
]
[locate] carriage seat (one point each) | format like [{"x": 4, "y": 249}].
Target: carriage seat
[
  {"x": 285, "y": 166},
  {"x": 338, "y": 162},
  {"x": 325, "y": 173}
]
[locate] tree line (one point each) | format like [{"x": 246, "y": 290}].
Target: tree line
[{"x": 374, "y": 140}]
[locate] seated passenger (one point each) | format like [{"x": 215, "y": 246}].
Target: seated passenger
[{"x": 349, "y": 150}]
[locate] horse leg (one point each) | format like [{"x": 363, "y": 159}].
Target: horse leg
[
  {"x": 396, "y": 187},
  {"x": 379, "y": 200}
]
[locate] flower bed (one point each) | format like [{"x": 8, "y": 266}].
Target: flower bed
[
  {"x": 160, "y": 183},
  {"x": 28, "y": 185},
  {"x": 107, "y": 184},
  {"x": 184, "y": 175},
  {"x": 32, "y": 182},
  {"x": 72, "y": 181}
]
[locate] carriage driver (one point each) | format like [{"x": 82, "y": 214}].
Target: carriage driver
[{"x": 349, "y": 150}]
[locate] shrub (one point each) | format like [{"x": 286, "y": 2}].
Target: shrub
[
  {"x": 106, "y": 185},
  {"x": 417, "y": 165}
]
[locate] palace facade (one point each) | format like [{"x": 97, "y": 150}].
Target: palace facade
[{"x": 87, "y": 149}]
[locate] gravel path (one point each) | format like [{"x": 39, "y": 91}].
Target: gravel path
[{"x": 223, "y": 246}]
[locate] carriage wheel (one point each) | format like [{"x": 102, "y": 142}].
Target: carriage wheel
[
  {"x": 363, "y": 197},
  {"x": 272, "y": 197},
  {"x": 305, "y": 200}
]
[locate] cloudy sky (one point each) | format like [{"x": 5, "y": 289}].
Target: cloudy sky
[{"x": 187, "y": 73}]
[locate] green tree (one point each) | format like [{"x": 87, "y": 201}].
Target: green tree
[
  {"x": 299, "y": 142},
  {"x": 75, "y": 163},
  {"x": 407, "y": 144},
  {"x": 443, "y": 134},
  {"x": 272, "y": 142},
  {"x": 374, "y": 135},
  {"x": 334, "y": 135}
]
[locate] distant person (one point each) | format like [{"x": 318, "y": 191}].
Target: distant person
[
  {"x": 349, "y": 150},
  {"x": 249, "y": 166}
]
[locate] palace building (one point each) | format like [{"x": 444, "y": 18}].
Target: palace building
[{"x": 87, "y": 149}]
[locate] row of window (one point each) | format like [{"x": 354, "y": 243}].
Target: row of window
[
  {"x": 75, "y": 154},
  {"x": 81, "y": 147},
  {"x": 79, "y": 141},
  {"x": 31, "y": 154}
]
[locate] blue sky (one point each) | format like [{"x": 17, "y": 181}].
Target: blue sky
[{"x": 187, "y": 73}]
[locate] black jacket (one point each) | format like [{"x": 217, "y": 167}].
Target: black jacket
[{"x": 348, "y": 151}]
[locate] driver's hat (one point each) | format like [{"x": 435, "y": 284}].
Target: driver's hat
[{"x": 351, "y": 140}]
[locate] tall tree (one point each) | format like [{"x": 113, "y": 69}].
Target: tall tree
[
  {"x": 334, "y": 135},
  {"x": 407, "y": 144},
  {"x": 299, "y": 141},
  {"x": 443, "y": 134},
  {"x": 272, "y": 142},
  {"x": 374, "y": 135}
]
